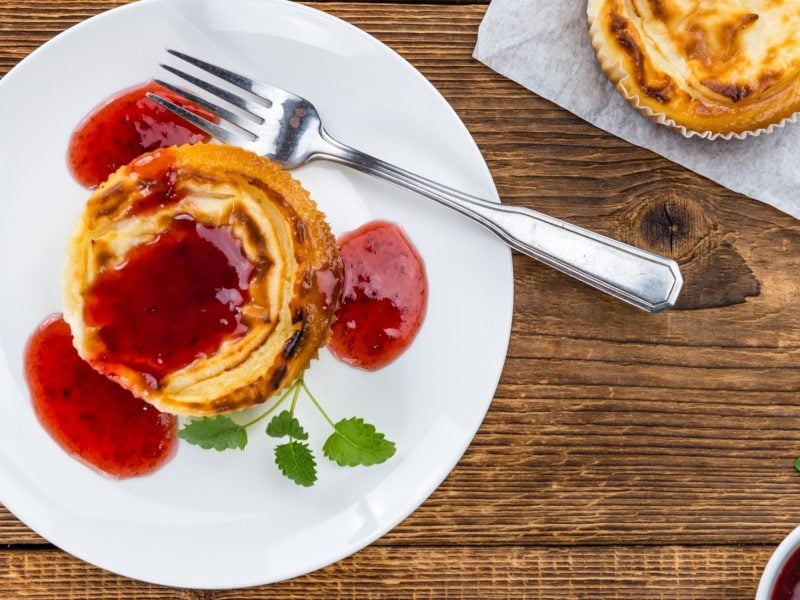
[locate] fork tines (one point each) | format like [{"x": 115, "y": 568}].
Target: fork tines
[{"x": 249, "y": 109}]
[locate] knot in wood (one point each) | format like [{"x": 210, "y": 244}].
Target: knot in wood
[
  {"x": 673, "y": 224},
  {"x": 670, "y": 225}
]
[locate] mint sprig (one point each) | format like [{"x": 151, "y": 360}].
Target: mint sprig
[
  {"x": 797, "y": 464},
  {"x": 286, "y": 424},
  {"x": 220, "y": 433},
  {"x": 352, "y": 443},
  {"x": 356, "y": 443},
  {"x": 296, "y": 461}
]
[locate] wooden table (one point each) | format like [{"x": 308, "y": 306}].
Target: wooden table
[{"x": 625, "y": 455}]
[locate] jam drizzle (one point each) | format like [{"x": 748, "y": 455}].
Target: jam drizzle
[
  {"x": 156, "y": 179},
  {"x": 125, "y": 126},
  {"x": 384, "y": 296},
  {"x": 90, "y": 416},
  {"x": 172, "y": 301}
]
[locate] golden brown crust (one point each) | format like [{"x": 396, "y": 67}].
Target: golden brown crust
[
  {"x": 294, "y": 293},
  {"x": 726, "y": 67}
]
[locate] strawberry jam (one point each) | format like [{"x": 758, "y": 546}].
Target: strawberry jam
[
  {"x": 384, "y": 296},
  {"x": 157, "y": 178},
  {"x": 126, "y": 126},
  {"x": 172, "y": 301},
  {"x": 90, "y": 416},
  {"x": 787, "y": 585}
]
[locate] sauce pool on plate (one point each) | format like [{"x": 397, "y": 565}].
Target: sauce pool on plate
[
  {"x": 90, "y": 416},
  {"x": 125, "y": 126},
  {"x": 384, "y": 296}
]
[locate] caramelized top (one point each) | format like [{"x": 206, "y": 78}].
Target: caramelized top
[{"x": 709, "y": 65}]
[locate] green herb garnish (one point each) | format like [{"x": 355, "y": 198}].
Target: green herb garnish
[
  {"x": 357, "y": 443},
  {"x": 797, "y": 464},
  {"x": 352, "y": 443},
  {"x": 296, "y": 461},
  {"x": 219, "y": 433},
  {"x": 286, "y": 424}
]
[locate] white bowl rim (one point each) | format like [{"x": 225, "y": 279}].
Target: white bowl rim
[{"x": 785, "y": 549}]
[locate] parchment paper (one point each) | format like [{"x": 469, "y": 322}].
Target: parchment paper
[{"x": 544, "y": 45}]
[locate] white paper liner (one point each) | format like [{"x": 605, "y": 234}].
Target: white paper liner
[{"x": 618, "y": 75}]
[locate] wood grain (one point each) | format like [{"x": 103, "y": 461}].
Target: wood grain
[
  {"x": 708, "y": 573},
  {"x": 625, "y": 455}
]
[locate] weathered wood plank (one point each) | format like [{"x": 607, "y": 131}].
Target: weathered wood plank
[{"x": 710, "y": 573}]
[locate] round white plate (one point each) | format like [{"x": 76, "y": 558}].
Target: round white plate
[{"x": 222, "y": 520}]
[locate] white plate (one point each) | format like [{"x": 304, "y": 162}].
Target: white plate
[{"x": 221, "y": 520}]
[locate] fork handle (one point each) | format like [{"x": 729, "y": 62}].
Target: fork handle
[{"x": 645, "y": 280}]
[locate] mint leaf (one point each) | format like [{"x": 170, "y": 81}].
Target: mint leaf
[
  {"x": 286, "y": 424},
  {"x": 220, "y": 433},
  {"x": 296, "y": 462},
  {"x": 797, "y": 464},
  {"x": 357, "y": 443}
]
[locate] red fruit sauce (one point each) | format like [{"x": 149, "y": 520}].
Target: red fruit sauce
[
  {"x": 172, "y": 301},
  {"x": 156, "y": 169},
  {"x": 127, "y": 125},
  {"x": 787, "y": 585},
  {"x": 90, "y": 416},
  {"x": 384, "y": 296}
]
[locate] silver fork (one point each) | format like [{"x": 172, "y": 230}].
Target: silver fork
[{"x": 287, "y": 129}]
